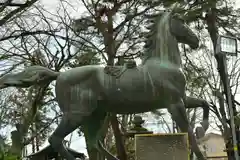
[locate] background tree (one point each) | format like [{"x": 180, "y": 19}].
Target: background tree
[
  {"x": 35, "y": 39},
  {"x": 213, "y": 18},
  {"x": 105, "y": 33}
]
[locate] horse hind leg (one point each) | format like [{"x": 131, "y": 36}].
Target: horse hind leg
[
  {"x": 68, "y": 124},
  {"x": 74, "y": 115},
  {"x": 179, "y": 115},
  {"x": 77, "y": 104}
]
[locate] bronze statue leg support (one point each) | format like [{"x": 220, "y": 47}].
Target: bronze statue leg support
[{"x": 179, "y": 115}]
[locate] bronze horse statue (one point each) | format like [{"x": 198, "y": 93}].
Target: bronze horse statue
[{"x": 87, "y": 94}]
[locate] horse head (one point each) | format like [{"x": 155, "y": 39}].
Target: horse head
[
  {"x": 181, "y": 31},
  {"x": 166, "y": 30}
]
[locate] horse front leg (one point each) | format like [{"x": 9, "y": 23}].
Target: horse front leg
[{"x": 178, "y": 113}]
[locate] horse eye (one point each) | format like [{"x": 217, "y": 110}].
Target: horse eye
[
  {"x": 179, "y": 18},
  {"x": 182, "y": 20}
]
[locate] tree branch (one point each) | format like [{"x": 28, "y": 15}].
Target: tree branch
[{"x": 18, "y": 10}]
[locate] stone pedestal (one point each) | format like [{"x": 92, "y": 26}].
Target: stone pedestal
[{"x": 162, "y": 147}]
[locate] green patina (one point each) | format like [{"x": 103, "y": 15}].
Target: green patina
[{"x": 87, "y": 95}]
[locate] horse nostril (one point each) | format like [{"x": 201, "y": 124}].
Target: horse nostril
[
  {"x": 194, "y": 46},
  {"x": 194, "y": 43}
]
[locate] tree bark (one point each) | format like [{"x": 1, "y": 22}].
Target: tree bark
[
  {"x": 106, "y": 29},
  {"x": 211, "y": 19},
  {"x": 121, "y": 152}
]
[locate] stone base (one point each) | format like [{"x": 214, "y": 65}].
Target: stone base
[{"x": 162, "y": 146}]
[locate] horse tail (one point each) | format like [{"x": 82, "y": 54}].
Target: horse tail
[{"x": 33, "y": 75}]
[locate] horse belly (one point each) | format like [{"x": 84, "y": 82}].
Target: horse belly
[
  {"x": 132, "y": 86},
  {"x": 128, "y": 107}
]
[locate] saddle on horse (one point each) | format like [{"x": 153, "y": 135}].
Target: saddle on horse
[{"x": 117, "y": 71}]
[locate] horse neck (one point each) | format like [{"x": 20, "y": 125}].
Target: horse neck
[
  {"x": 166, "y": 46},
  {"x": 167, "y": 53}
]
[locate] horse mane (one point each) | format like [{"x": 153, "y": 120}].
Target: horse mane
[
  {"x": 151, "y": 35},
  {"x": 158, "y": 36}
]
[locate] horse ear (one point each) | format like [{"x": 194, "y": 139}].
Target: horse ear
[
  {"x": 150, "y": 26},
  {"x": 149, "y": 33},
  {"x": 153, "y": 17},
  {"x": 175, "y": 8},
  {"x": 148, "y": 43},
  {"x": 151, "y": 20}
]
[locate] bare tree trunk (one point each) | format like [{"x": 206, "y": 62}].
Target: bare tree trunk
[
  {"x": 22, "y": 129},
  {"x": 33, "y": 141},
  {"x": 92, "y": 153},
  {"x": 37, "y": 137},
  {"x": 107, "y": 31},
  {"x": 118, "y": 138},
  {"x": 211, "y": 19}
]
